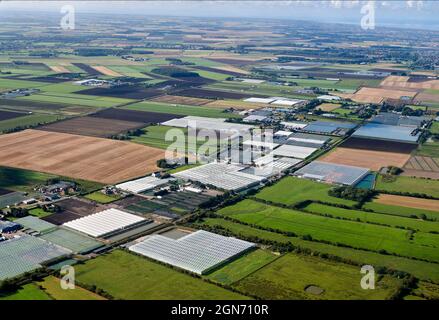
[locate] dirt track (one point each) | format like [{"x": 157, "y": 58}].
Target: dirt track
[
  {"x": 88, "y": 158},
  {"x": 410, "y": 202}
]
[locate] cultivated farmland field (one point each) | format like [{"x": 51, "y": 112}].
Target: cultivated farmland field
[
  {"x": 127, "y": 276},
  {"x": 373, "y": 160},
  {"x": 95, "y": 159}
]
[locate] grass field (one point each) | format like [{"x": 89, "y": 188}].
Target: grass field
[
  {"x": 291, "y": 190},
  {"x": 379, "y": 218},
  {"x": 126, "y": 276},
  {"x": 400, "y": 211},
  {"x": 30, "y": 120},
  {"x": 350, "y": 233},
  {"x": 409, "y": 184},
  {"x": 429, "y": 149},
  {"x": 26, "y": 180},
  {"x": 420, "y": 269},
  {"x": 51, "y": 286},
  {"x": 434, "y": 129},
  {"x": 101, "y": 197},
  {"x": 39, "y": 213},
  {"x": 181, "y": 110},
  {"x": 289, "y": 276},
  {"x": 27, "y": 292},
  {"x": 242, "y": 267}
]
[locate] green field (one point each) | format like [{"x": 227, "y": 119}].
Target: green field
[
  {"x": 291, "y": 190},
  {"x": 350, "y": 233},
  {"x": 242, "y": 267},
  {"x": 410, "y": 185},
  {"x": 27, "y": 292},
  {"x": 101, "y": 197},
  {"x": 401, "y": 211},
  {"x": 25, "y": 180},
  {"x": 379, "y": 218},
  {"x": 51, "y": 286},
  {"x": 127, "y": 276},
  {"x": 420, "y": 269},
  {"x": 429, "y": 149},
  {"x": 29, "y": 121},
  {"x": 181, "y": 110},
  {"x": 289, "y": 276},
  {"x": 81, "y": 100},
  {"x": 39, "y": 213},
  {"x": 434, "y": 129}
]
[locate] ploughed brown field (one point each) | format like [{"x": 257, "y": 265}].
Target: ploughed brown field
[
  {"x": 424, "y": 167},
  {"x": 403, "y": 82},
  {"x": 95, "y": 159},
  {"x": 417, "y": 203},
  {"x": 373, "y": 160},
  {"x": 91, "y": 126}
]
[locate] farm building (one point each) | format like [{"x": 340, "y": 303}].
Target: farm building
[
  {"x": 309, "y": 138},
  {"x": 12, "y": 198},
  {"x": 217, "y": 124},
  {"x": 287, "y": 102},
  {"x": 8, "y": 226},
  {"x": 329, "y": 127},
  {"x": 328, "y": 98},
  {"x": 106, "y": 223},
  {"x": 255, "y": 118},
  {"x": 294, "y": 124},
  {"x": 25, "y": 254},
  {"x": 221, "y": 175},
  {"x": 34, "y": 224},
  {"x": 332, "y": 173},
  {"x": 142, "y": 184},
  {"x": 74, "y": 241},
  {"x": 394, "y": 119},
  {"x": 387, "y": 133},
  {"x": 198, "y": 252},
  {"x": 259, "y": 100},
  {"x": 297, "y": 152}
]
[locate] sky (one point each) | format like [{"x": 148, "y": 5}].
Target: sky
[{"x": 407, "y": 13}]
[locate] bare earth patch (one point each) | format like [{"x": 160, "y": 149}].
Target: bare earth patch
[
  {"x": 106, "y": 71},
  {"x": 373, "y": 160},
  {"x": 417, "y": 203},
  {"x": 95, "y": 159}
]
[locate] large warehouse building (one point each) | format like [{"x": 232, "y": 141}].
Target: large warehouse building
[{"x": 198, "y": 252}]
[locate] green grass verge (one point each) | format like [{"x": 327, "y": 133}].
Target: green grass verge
[{"x": 127, "y": 276}]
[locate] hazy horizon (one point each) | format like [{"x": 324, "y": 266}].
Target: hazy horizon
[{"x": 404, "y": 14}]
